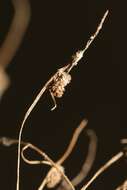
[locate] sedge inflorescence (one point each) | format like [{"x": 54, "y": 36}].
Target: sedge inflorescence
[{"x": 60, "y": 81}]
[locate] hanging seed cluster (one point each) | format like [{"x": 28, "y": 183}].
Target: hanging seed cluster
[{"x": 60, "y": 81}]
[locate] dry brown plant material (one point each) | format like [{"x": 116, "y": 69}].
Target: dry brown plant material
[
  {"x": 50, "y": 179},
  {"x": 54, "y": 176},
  {"x": 103, "y": 168},
  {"x": 4, "y": 81},
  {"x": 56, "y": 173},
  {"x": 87, "y": 165},
  {"x": 58, "y": 170},
  {"x": 123, "y": 186},
  {"x": 56, "y": 86},
  {"x": 73, "y": 141},
  {"x": 13, "y": 39},
  {"x": 63, "y": 158},
  {"x": 51, "y": 83}
]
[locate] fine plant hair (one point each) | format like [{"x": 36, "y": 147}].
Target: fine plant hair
[
  {"x": 13, "y": 39},
  {"x": 54, "y": 176},
  {"x": 56, "y": 86}
]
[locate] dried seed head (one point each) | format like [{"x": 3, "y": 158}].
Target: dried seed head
[
  {"x": 59, "y": 82},
  {"x": 54, "y": 177}
]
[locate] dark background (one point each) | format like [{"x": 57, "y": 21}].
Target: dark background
[{"x": 56, "y": 31}]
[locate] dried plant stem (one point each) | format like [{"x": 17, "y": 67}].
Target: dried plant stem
[
  {"x": 88, "y": 163},
  {"x": 29, "y": 145},
  {"x": 97, "y": 31},
  {"x": 24, "y": 120},
  {"x": 46, "y": 157},
  {"x": 103, "y": 168},
  {"x": 9, "y": 142},
  {"x": 66, "y": 68},
  {"x": 123, "y": 186},
  {"x": 48, "y": 161},
  {"x": 68, "y": 151},
  {"x": 70, "y": 148},
  {"x": 73, "y": 141},
  {"x": 43, "y": 184},
  {"x": 13, "y": 39},
  {"x": 91, "y": 39},
  {"x": 4, "y": 81},
  {"x": 16, "y": 32}
]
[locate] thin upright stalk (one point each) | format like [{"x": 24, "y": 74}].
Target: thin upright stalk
[{"x": 66, "y": 68}]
